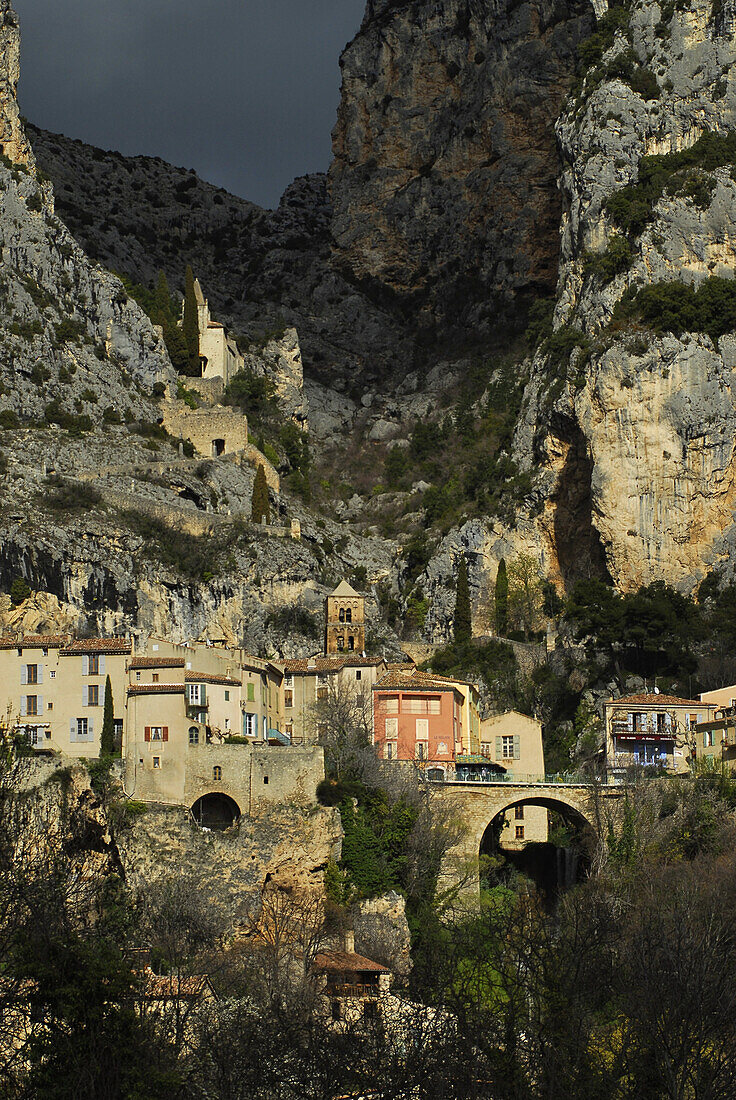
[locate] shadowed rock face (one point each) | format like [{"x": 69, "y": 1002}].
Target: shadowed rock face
[{"x": 444, "y": 180}]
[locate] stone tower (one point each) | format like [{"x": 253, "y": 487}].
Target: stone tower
[{"x": 345, "y": 621}]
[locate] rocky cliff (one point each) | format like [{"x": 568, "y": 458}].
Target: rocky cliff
[
  {"x": 444, "y": 179},
  {"x": 639, "y": 431}
]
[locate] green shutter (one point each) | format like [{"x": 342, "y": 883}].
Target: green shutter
[{"x": 251, "y": 693}]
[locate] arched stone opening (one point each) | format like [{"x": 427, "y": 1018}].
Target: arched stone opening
[
  {"x": 216, "y": 811},
  {"x": 554, "y": 860}
]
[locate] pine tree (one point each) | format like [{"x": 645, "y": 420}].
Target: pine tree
[
  {"x": 463, "y": 629},
  {"x": 107, "y": 736},
  {"x": 260, "y": 506},
  {"x": 190, "y": 327},
  {"x": 502, "y": 599}
]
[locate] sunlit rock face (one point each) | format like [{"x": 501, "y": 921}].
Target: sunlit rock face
[{"x": 444, "y": 180}]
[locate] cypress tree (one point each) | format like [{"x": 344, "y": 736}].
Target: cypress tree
[
  {"x": 502, "y": 599},
  {"x": 162, "y": 312},
  {"x": 463, "y": 630},
  {"x": 190, "y": 326},
  {"x": 107, "y": 736},
  {"x": 260, "y": 506}
]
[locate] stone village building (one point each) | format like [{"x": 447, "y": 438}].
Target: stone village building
[
  {"x": 218, "y": 352},
  {"x": 651, "y": 730}
]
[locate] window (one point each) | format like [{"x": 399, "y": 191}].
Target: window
[
  {"x": 93, "y": 695},
  {"x": 45, "y": 651},
  {"x": 322, "y": 693},
  {"x": 250, "y": 725},
  {"x": 265, "y": 779},
  {"x": 390, "y": 704},
  {"x": 157, "y": 733},
  {"x": 138, "y": 676},
  {"x": 351, "y": 643},
  {"x": 288, "y": 698},
  {"x": 52, "y": 675},
  {"x": 341, "y": 643},
  {"x": 31, "y": 674},
  {"x": 288, "y": 681},
  {"x": 154, "y": 678},
  {"x": 519, "y": 832},
  {"x": 217, "y": 773},
  {"x": 708, "y": 739},
  {"x": 194, "y": 693},
  {"x": 336, "y": 1010},
  {"x": 342, "y": 615},
  {"x": 322, "y": 678},
  {"x": 82, "y": 728},
  {"x": 193, "y": 735},
  {"x": 421, "y": 751},
  {"x": 94, "y": 665},
  {"x": 117, "y": 725},
  {"x": 157, "y": 761},
  {"x": 392, "y": 727},
  {"x": 442, "y": 748},
  {"x": 31, "y": 704},
  {"x": 50, "y": 706},
  {"x": 227, "y": 696},
  {"x": 422, "y": 729},
  {"x": 507, "y": 748},
  {"x": 227, "y": 725},
  {"x": 358, "y": 674},
  {"x": 251, "y": 693},
  {"x": 348, "y": 616},
  {"x": 485, "y": 748},
  {"x": 519, "y": 813},
  {"x": 389, "y": 750}
]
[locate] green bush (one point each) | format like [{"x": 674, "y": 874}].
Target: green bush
[
  {"x": 677, "y": 307},
  {"x": 54, "y": 413},
  {"x": 69, "y": 497},
  {"x": 615, "y": 260},
  {"x": 294, "y": 620},
  {"x": 9, "y": 419},
  {"x": 632, "y": 208}
]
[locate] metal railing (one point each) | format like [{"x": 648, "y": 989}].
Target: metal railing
[{"x": 491, "y": 780}]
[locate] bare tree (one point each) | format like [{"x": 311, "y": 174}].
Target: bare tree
[{"x": 342, "y": 722}]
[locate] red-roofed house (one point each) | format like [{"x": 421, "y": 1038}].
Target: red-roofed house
[
  {"x": 419, "y": 717},
  {"x": 651, "y": 730}
]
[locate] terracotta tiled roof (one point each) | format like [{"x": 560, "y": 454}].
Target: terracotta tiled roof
[
  {"x": 156, "y": 689},
  {"x": 157, "y": 662},
  {"x": 452, "y": 679},
  {"x": 347, "y": 960},
  {"x": 330, "y": 664},
  {"x": 34, "y": 641},
  {"x": 97, "y": 645},
  {"x": 210, "y": 678},
  {"x": 652, "y": 700},
  {"x": 412, "y": 681}
]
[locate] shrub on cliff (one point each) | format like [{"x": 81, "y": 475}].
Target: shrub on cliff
[
  {"x": 260, "y": 504},
  {"x": 678, "y": 307}
]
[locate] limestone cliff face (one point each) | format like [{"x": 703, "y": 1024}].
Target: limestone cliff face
[
  {"x": 445, "y": 163},
  {"x": 649, "y": 423},
  {"x": 13, "y": 143}
]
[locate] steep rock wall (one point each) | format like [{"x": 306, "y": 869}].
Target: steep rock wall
[{"x": 445, "y": 163}]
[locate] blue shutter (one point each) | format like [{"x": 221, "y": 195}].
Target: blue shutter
[
  {"x": 517, "y": 747},
  {"x": 24, "y": 674},
  {"x": 102, "y": 664},
  {"x": 72, "y": 729},
  {"x": 85, "y": 666},
  {"x": 39, "y": 673}
]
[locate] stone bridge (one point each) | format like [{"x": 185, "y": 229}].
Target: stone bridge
[{"x": 585, "y": 805}]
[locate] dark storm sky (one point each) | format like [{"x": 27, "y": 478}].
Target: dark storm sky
[{"x": 243, "y": 91}]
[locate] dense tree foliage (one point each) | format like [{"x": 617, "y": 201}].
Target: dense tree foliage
[
  {"x": 502, "y": 599},
  {"x": 260, "y": 504}
]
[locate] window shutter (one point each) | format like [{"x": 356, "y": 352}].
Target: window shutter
[
  {"x": 23, "y": 706},
  {"x": 668, "y": 721},
  {"x": 40, "y": 704},
  {"x": 202, "y": 694},
  {"x": 24, "y": 674},
  {"x": 39, "y": 673},
  {"x": 164, "y": 733},
  {"x": 85, "y": 666},
  {"x": 630, "y": 722},
  {"x": 517, "y": 747},
  {"x": 499, "y": 748},
  {"x": 85, "y": 695},
  {"x": 72, "y": 729},
  {"x": 90, "y": 729},
  {"x": 102, "y": 664},
  {"x": 147, "y": 733}
]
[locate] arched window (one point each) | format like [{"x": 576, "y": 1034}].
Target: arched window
[
  {"x": 193, "y": 735},
  {"x": 348, "y": 616},
  {"x": 342, "y": 614},
  {"x": 340, "y": 643},
  {"x": 351, "y": 642},
  {"x": 217, "y": 773}
]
